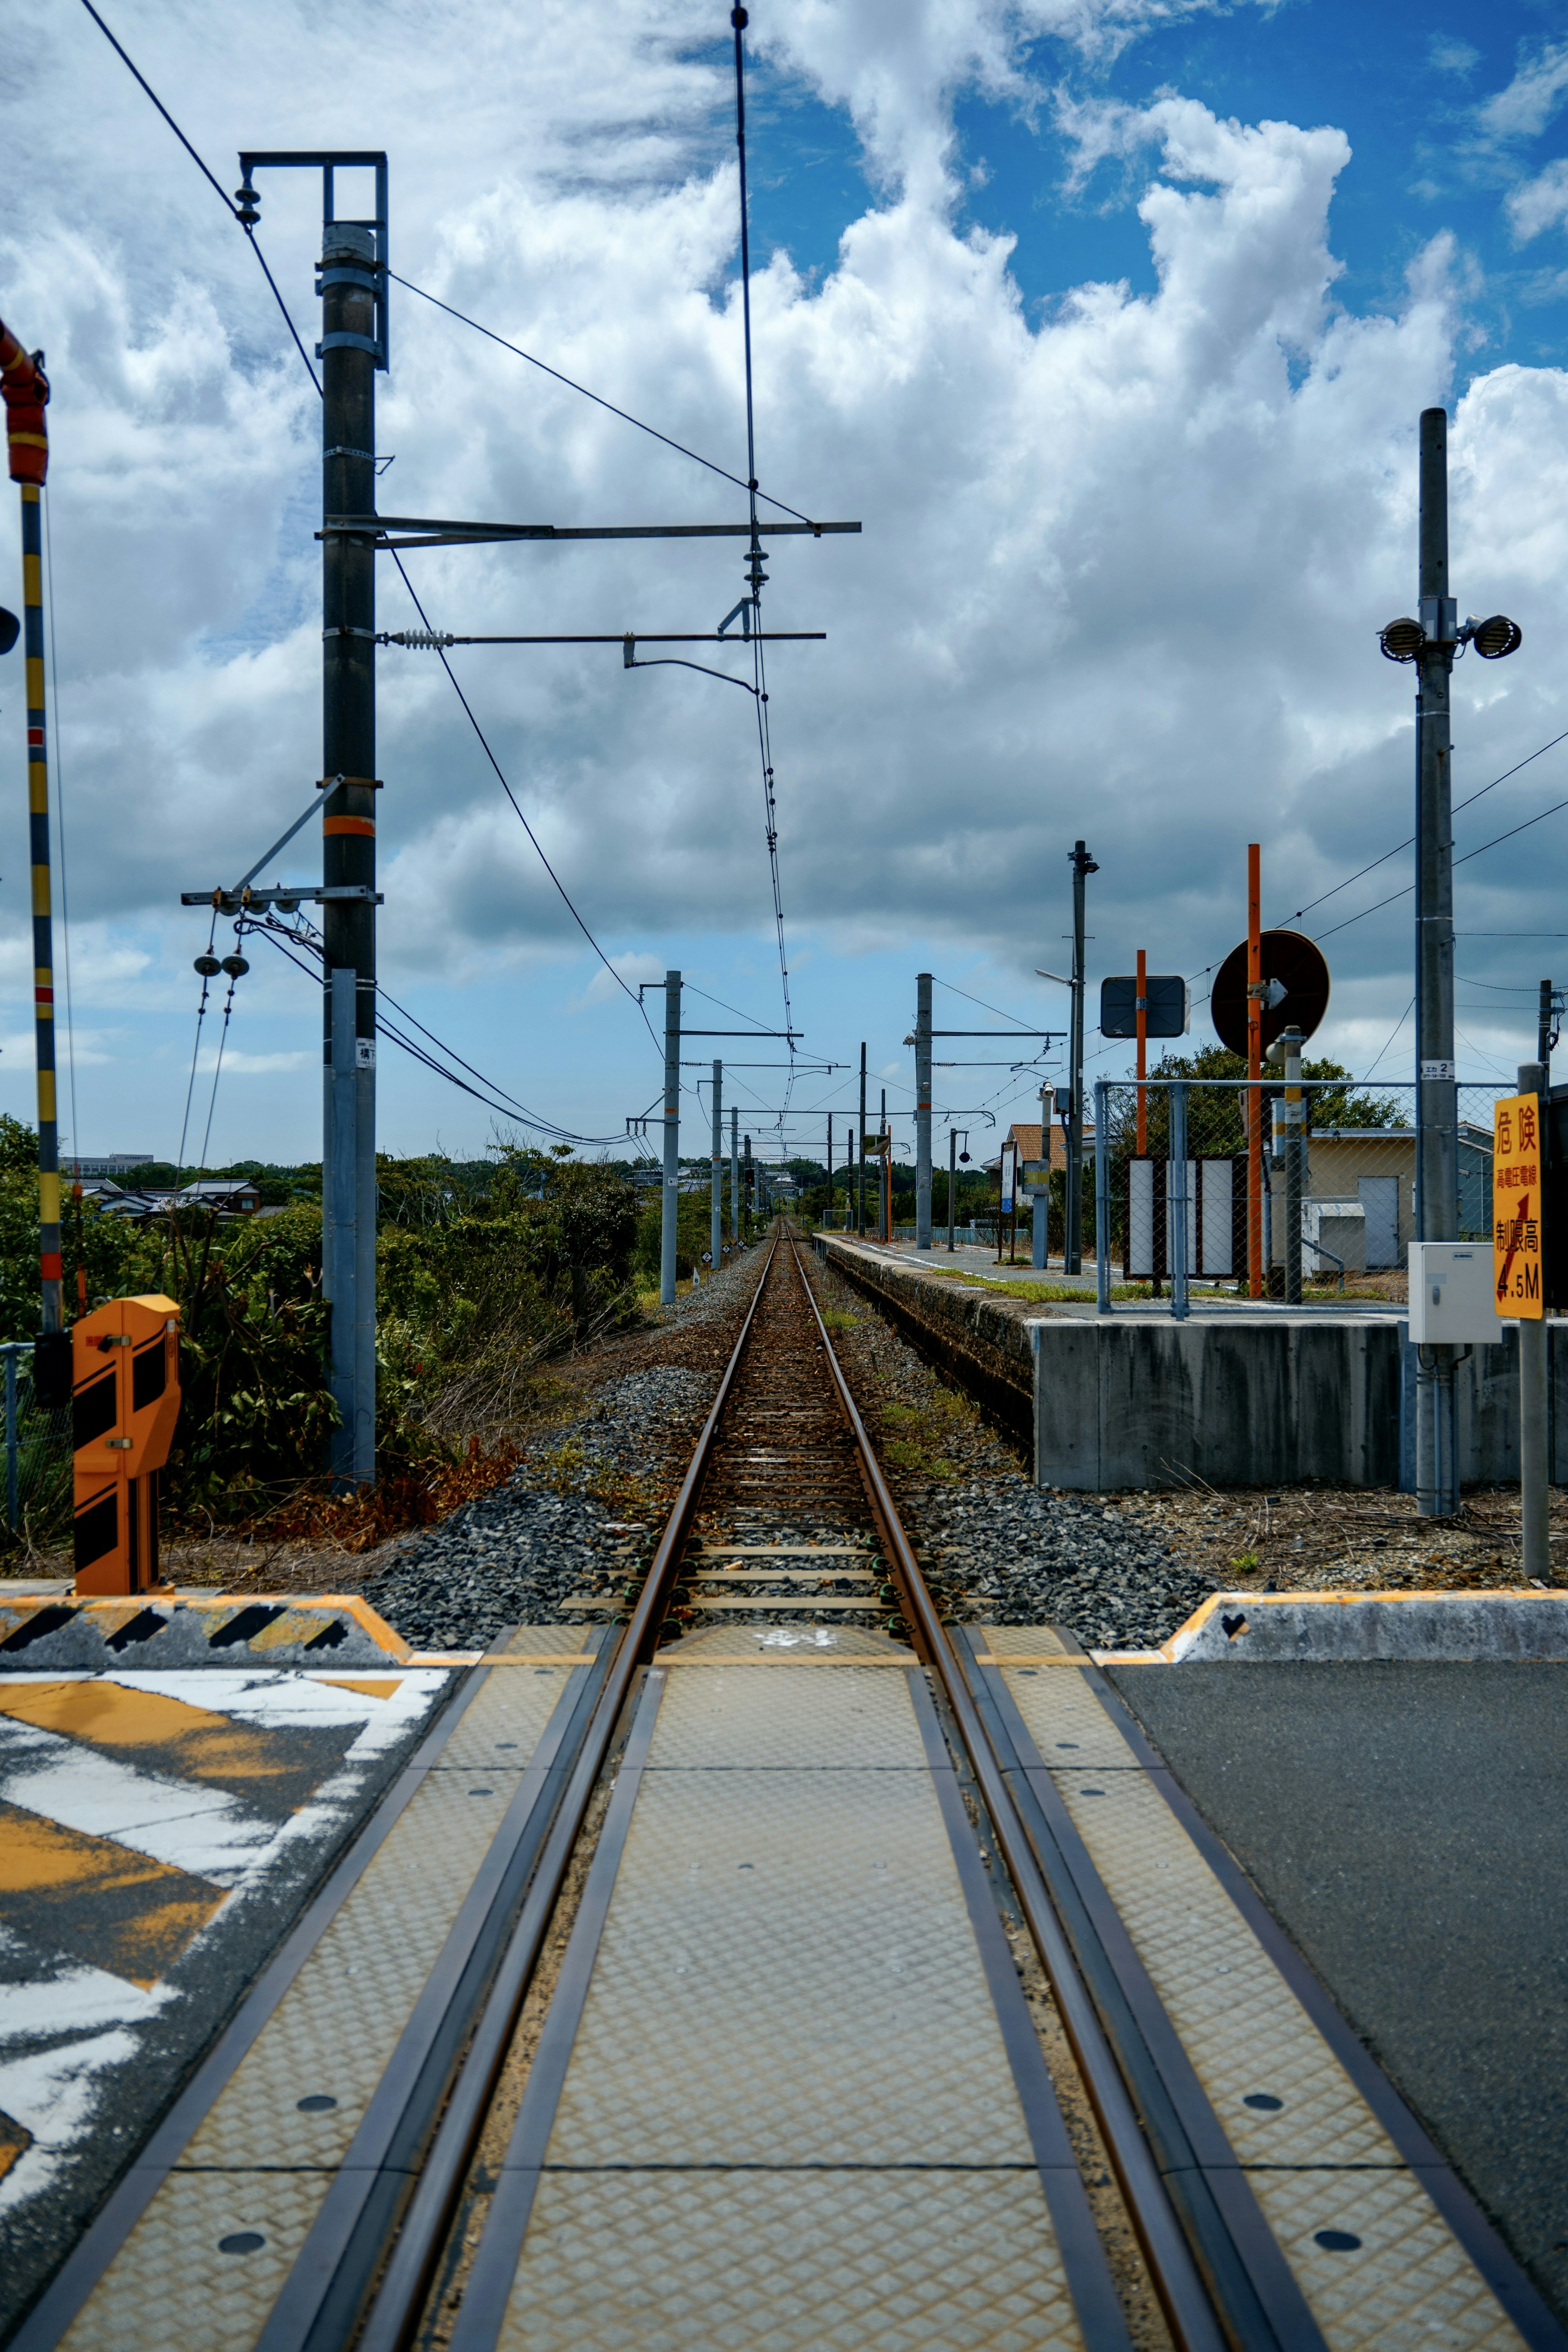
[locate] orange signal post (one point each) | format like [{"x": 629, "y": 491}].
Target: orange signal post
[
  {"x": 1141, "y": 1001},
  {"x": 125, "y": 1362},
  {"x": 1253, "y": 1072}
]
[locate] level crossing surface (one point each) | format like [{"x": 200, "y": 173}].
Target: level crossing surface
[
  {"x": 765, "y": 1984},
  {"x": 1407, "y": 1822}
]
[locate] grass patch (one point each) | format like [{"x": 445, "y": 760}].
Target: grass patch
[
  {"x": 904, "y": 1453},
  {"x": 837, "y": 1319}
]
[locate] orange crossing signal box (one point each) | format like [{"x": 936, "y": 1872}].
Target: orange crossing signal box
[{"x": 126, "y": 1367}]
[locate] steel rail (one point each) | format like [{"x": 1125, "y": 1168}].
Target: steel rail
[
  {"x": 1178, "y": 2283},
  {"x": 405, "y": 2284}
]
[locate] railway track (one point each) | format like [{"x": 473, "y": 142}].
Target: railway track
[{"x": 734, "y": 2032}]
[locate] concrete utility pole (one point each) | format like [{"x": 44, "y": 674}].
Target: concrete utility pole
[
  {"x": 1083, "y": 865},
  {"x": 860, "y": 1148},
  {"x": 1534, "y": 1341},
  {"x": 672, "y": 1138},
  {"x": 349, "y": 350},
  {"x": 748, "y": 1193},
  {"x": 885, "y": 1167},
  {"x": 1436, "y": 1097},
  {"x": 922, "y": 1111},
  {"x": 1041, "y": 1205},
  {"x": 827, "y": 1212},
  {"x": 734, "y": 1174},
  {"x": 716, "y": 1241},
  {"x": 1286, "y": 1052}
]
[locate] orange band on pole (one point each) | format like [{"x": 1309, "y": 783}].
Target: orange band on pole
[
  {"x": 1253, "y": 1072},
  {"x": 1142, "y": 992},
  {"x": 361, "y": 824}
]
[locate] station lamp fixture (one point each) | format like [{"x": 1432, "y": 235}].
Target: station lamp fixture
[{"x": 1405, "y": 640}]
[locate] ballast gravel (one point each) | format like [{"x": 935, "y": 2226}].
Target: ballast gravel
[{"x": 1024, "y": 1557}]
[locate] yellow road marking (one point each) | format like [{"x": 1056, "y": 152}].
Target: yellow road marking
[
  {"x": 97, "y": 1900},
  {"x": 366, "y": 1684},
  {"x": 16, "y": 2139}
]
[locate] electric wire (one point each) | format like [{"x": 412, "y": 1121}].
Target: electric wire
[
  {"x": 195, "y": 1050},
  {"x": 223, "y": 198},
  {"x": 597, "y": 398},
  {"x": 484, "y": 743},
  {"x": 217, "y": 1067},
  {"x": 1394, "y": 1033},
  {"x": 59, "y": 771},
  {"x": 954, "y": 990}
]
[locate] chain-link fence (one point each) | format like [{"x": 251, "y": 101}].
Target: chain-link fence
[
  {"x": 37, "y": 1469},
  {"x": 1185, "y": 1206}
]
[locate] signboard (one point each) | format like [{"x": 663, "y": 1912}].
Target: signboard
[
  {"x": 1009, "y": 1163},
  {"x": 1517, "y": 1221},
  {"x": 1166, "y": 1007},
  {"x": 1036, "y": 1175},
  {"x": 1300, "y": 999}
]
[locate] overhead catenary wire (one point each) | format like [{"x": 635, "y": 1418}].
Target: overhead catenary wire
[{"x": 223, "y": 196}]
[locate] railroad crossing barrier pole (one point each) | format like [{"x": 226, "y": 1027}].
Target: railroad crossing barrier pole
[
  {"x": 922, "y": 1111},
  {"x": 1176, "y": 1219},
  {"x": 349, "y": 291},
  {"x": 734, "y": 1174},
  {"x": 1101, "y": 1200},
  {"x": 860, "y": 1148},
  {"x": 671, "y": 1139},
  {"x": 1534, "y": 1334},
  {"x": 27, "y": 393},
  {"x": 716, "y": 1241}
]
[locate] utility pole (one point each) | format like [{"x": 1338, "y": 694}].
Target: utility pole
[
  {"x": 350, "y": 287},
  {"x": 1257, "y": 1272},
  {"x": 716, "y": 1241},
  {"x": 734, "y": 1174},
  {"x": 860, "y": 1148},
  {"x": 1286, "y": 1052},
  {"x": 827, "y": 1215},
  {"x": 1083, "y": 865},
  {"x": 1436, "y": 1097},
  {"x": 672, "y": 1138},
  {"x": 885, "y": 1217},
  {"x": 922, "y": 1111},
  {"x": 748, "y": 1192},
  {"x": 951, "y": 1184},
  {"x": 1040, "y": 1208}
]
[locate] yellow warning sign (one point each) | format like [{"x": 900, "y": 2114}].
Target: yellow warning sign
[{"x": 1517, "y": 1205}]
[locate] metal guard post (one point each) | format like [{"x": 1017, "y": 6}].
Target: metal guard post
[
  {"x": 1101, "y": 1201},
  {"x": 1177, "y": 1196}
]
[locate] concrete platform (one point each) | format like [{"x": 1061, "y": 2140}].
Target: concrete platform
[{"x": 1407, "y": 1824}]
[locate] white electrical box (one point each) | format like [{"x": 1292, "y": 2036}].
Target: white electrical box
[{"x": 1451, "y": 1296}]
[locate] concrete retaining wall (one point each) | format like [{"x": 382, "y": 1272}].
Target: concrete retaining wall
[
  {"x": 1289, "y": 1628},
  {"x": 1134, "y": 1400}
]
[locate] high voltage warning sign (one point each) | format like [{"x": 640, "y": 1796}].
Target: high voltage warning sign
[{"x": 1517, "y": 1205}]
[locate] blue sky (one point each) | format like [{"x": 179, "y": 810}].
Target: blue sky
[{"x": 1137, "y": 486}]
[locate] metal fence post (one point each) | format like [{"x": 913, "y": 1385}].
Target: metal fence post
[
  {"x": 1176, "y": 1196},
  {"x": 1101, "y": 1199}
]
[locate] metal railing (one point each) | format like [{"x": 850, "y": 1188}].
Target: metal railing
[{"x": 1181, "y": 1201}]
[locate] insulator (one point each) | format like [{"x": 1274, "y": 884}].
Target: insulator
[
  {"x": 236, "y": 966},
  {"x": 422, "y": 640},
  {"x": 207, "y": 965}
]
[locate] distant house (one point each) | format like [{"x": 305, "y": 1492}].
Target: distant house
[
  {"x": 1029, "y": 1143},
  {"x": 112, "y": 1163},
  {"x": 228, "y": 1196}
]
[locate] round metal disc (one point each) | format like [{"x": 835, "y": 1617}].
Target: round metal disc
[{"x": 1289, "y": 957}]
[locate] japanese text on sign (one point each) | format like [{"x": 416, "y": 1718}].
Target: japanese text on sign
[{"x": 1517, "y": 1206}]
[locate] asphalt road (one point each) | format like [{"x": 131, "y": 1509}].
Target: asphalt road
[{"x": 1407, "y": 1823}]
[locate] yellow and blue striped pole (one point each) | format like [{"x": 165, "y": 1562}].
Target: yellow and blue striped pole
[{"x": 25, "y": 389}]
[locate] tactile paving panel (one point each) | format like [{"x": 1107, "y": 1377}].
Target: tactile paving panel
[
  {"x": 329, "y": 2037},
  {"x": 336, "y": 2026},
  {"x": 1021, "y": 1640},
  {"x": 791, "y": 1641},
  {"x": 783, "y": 2262},
  {"x": 503, "y": 1724},
  {"x": 788, "y": 1976},
  {"x": 1243, "y": 2027},
  {"x": 175, "y": 2290},
  {"x": 1408, "y": 2287},
  {"x": 1066, "y": 1721},
  {"x": 755, "y": 1719}
]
